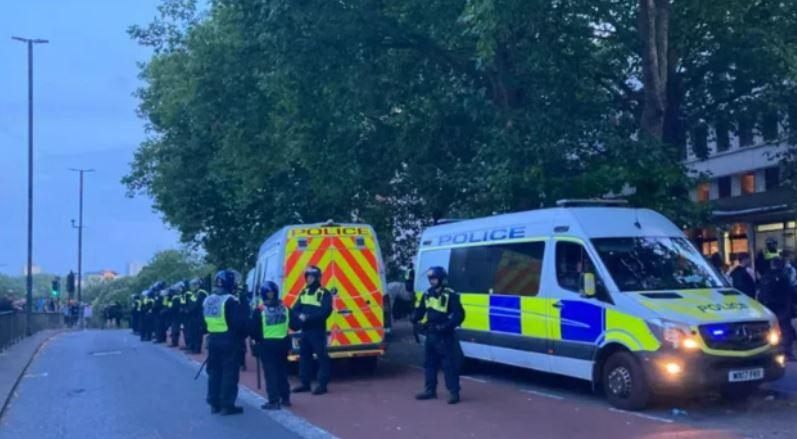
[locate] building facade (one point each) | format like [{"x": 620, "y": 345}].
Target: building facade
[{"x": 748, "y": 200}]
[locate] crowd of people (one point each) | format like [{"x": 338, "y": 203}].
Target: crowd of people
[{"x": 772, "y": 280}]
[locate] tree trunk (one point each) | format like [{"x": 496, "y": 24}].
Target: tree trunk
[{"x": 654, "y": 27}]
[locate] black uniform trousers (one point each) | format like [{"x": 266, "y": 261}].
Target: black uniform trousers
[
  {"x": 174, "y": 331},
  {"x": 314, "y": 341},
  {"x": 274, "y": 356},
  {"x": 441, "y": 351},
  {"x": 146, "y": 328},
  {"x": 223, "y": 370}
]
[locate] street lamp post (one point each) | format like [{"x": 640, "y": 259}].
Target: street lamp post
[
  {"x": 29, "y": 297},
  {"x": 79, "y": 228}
]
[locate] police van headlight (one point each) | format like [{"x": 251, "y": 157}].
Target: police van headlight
[
  {"x": 773, "y": 337},
  {"x": 677, "y": 335}
]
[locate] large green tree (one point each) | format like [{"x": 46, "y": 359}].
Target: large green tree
[{"x": 404, "y": 112}]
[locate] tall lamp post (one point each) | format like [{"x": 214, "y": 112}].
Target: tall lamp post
[
  {"x": 79, "y": 228},
  {"x": 29, "y": 296}
]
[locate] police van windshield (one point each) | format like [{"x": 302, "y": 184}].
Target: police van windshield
[{"x": 655, "y": 263}]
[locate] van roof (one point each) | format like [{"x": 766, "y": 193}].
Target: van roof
[
  {"x": 277, "y": 237},
  {"x": 586, "y": 222}
]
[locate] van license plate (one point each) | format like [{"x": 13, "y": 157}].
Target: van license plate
[{"x": 736, "y": 376}]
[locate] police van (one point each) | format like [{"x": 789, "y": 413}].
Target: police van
[
  {"x": 353, "y": 270},
  {"x": 614, "y": 295}
]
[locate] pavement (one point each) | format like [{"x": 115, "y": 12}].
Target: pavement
[
  {"x": 107, "y": 384},
  {"x": 15, "y": 359},
  {"x": 114, "y": 377}
]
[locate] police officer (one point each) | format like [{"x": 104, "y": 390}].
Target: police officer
[
  {"x": 270, "y": 332},
  {"x": 409, "y": 278},
  {"x": 146, "y": 316},
  {"x": 156, "y": 311},
  {"x": 196, "y": 319},
  {"x": 177, "y": 300},
  {"x": 226, "y": 325},
  {"x": 135, "y": 312},
  {"x": 439, "y": 312},
  {"x": 310, "y": 313},
  {"x": 763, "y": 260}
]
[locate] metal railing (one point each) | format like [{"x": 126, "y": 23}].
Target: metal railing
[{"x": 12, "y": 325}]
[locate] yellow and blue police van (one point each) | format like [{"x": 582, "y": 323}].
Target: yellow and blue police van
[
  {"x": 614, "y": 295},
  {"x": 350, "y": 259}
]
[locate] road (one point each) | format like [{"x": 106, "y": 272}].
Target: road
[
  {"x": 106, "y": 384},
  {"x": 101, "y": 384}
]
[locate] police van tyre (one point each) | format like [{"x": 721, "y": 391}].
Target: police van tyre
[{"x": 625, "y": 383}]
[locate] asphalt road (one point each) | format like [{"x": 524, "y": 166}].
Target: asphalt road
[{"x": 107, "y": 384}]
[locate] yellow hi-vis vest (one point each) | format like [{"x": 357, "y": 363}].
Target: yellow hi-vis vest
[
  {"x": 312, "y": 299},
  {"x": 182, "y": 299},
  {"x": 768, "y": 255},
  {"x": 275, "y": 322},
  {"x": 213, "y": 310},
  {"x": 439, "y": 303}
]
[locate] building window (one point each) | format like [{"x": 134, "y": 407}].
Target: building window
[
  {"x": 700, "y": 141},
  {"x": 748, "y": 183},
  {"x": 772, "y": 177},
  {"x": 745, "y": 131},
  {"x": 703, "y": 192},
  {"x": 769, "y": 126},
  {"x": 724, "y": 186},
  {"x": 723, "y": 135}
]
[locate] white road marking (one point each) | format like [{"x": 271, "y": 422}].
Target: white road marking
[
  {"x": 642, "y": 415},
  {"x": 102, "y": 354},
  {"x": 478, "y": 380},
  {"x": 543, "y": 394},
  {"x": 36, "y": 375}
]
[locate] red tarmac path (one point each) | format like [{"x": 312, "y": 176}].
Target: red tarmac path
[{"x": 381, "y": 405}]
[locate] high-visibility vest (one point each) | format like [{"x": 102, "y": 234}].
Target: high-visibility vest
[
  {"x": 275, "y": 322},
  {"x": 312, "y": 299},
  {"x": 191, "y": 296},
  {"x": 182, "y": 299},
  {"x": 768, "y": 255},
  {"x": 439, "y": 303},
  {"x": 213, "y": 310}
]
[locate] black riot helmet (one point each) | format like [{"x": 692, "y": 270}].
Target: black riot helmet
[
  {"x": 314, "y": 271},
  {"x": 439, "y": 274}
]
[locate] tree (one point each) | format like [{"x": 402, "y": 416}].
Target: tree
[{"x": 399, "y": 114}]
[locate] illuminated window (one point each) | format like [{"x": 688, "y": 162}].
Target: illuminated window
[
  {"x": 748, "y": 183},
  {"x": 703, "y": 193}
]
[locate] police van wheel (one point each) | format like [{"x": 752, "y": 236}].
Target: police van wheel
[{"x": 625, "y": 383}]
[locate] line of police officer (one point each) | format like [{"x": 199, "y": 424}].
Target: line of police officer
[
  {"x": 228, "y": 320},
  {"x": 175, "y": 309}
]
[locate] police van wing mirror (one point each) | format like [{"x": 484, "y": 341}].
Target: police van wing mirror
[{"x": 588, "y": 285}]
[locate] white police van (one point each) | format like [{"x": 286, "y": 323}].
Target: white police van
[{"x": 617, "y": 296}]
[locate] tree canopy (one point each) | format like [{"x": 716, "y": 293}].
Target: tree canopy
[{"x": 399, "y": 113}]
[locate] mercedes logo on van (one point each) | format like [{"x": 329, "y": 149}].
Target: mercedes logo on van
[{"x": 744, "y": 333}]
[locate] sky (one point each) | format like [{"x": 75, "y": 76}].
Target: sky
[{"x": 84, "y": 117}]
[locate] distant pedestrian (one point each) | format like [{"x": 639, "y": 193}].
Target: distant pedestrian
[
  {"x": 777, "y": 294},
  {"x": 743, "y": 277},
  {"x": 88, "y": 313}
]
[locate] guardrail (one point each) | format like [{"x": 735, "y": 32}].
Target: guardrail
[{"x": 12, "y": 325}]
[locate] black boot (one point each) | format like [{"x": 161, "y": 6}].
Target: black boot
[
  {"x": 270, "y": 406},
  {"x": 453, "y": 398},
  {"x": 426, "y": 394},
  {"x": 214, "y": 409},
  {"x": 320, "y": 390},
  {"x": 300, "y": 389},
  {"x": 232, "y": 410}
]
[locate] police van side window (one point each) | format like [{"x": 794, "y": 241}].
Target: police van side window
[
  {"x": 472, "y": 269},
  {"x": 427, "y": 260},
  {"x": 572, "y": 261},
  {"x": 518, "y": 269}
]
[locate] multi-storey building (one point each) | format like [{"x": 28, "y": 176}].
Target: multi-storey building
[{"x": 748, "y": 199}]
